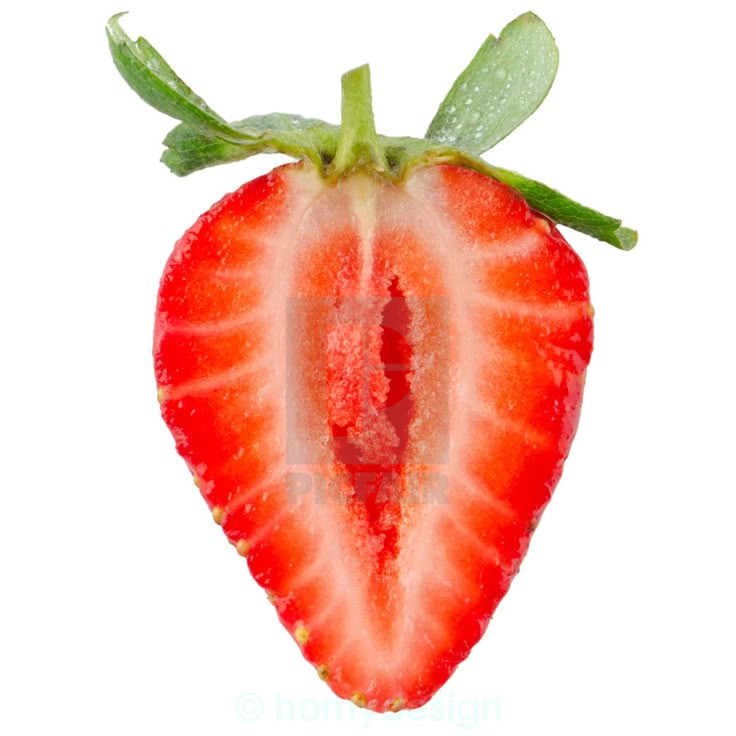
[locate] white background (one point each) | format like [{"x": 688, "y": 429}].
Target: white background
[{"x": 125, "y": 610}]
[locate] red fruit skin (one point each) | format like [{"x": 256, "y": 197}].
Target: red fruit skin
[{"x": 256, "y": 360}]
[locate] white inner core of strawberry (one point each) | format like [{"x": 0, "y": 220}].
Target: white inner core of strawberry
[{"x": 367, "y": 373}]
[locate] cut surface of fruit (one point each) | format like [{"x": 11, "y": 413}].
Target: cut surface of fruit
[{"x": 375, "y": 385}]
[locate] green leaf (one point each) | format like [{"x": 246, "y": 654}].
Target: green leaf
[
  {"x": 150, "y": 76},
  {"x": 189, "y": 150},
  {"x": 501, "y": 87},
  {"x": 204, "y": 138},
  {"x": 564, "y": 210}
]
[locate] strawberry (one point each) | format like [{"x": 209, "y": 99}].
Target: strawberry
[{"x": 372, "y": 360}]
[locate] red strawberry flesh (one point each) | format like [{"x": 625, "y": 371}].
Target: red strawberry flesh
[{"x": 376, "y": 386}]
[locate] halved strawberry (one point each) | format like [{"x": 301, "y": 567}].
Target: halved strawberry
[{"x": 372, "y": 362}]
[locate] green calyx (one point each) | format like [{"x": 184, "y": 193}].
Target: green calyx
[{"x": 504, "y": 83}]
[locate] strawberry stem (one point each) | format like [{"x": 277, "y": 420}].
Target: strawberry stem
[{"x": 358, "y": 144}]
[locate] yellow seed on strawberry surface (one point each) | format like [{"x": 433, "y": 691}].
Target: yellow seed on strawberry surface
[
  {"x": 542, "y": 225},
  {"x": 323, "y": 672},
  {"x": 301, "y": 634},
  {"x": 243, "y": 547},
  {"x": 397, "y": 704},
  {"x": 359, "y": 699},
  {"x": 161, "y": 394},
  {"x": 217, "y": 514}
]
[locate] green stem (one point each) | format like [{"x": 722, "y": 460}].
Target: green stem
[{"x": 358, "y": 144}]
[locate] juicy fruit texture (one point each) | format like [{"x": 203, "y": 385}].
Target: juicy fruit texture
[{"x": 375, "y": 386}]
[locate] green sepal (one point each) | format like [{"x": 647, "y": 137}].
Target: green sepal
[
  {"x": 503, "y": 85},
  {"x": 405, "y": 154},
  {"x": 558, "y": 207},
  {"x": 189, "y": 150},
  {"x": 204, "y": 138},
  {"x": 150, "y": 76}
]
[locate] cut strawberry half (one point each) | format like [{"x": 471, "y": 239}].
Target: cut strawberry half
[{"x": 373, "y": 363}]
